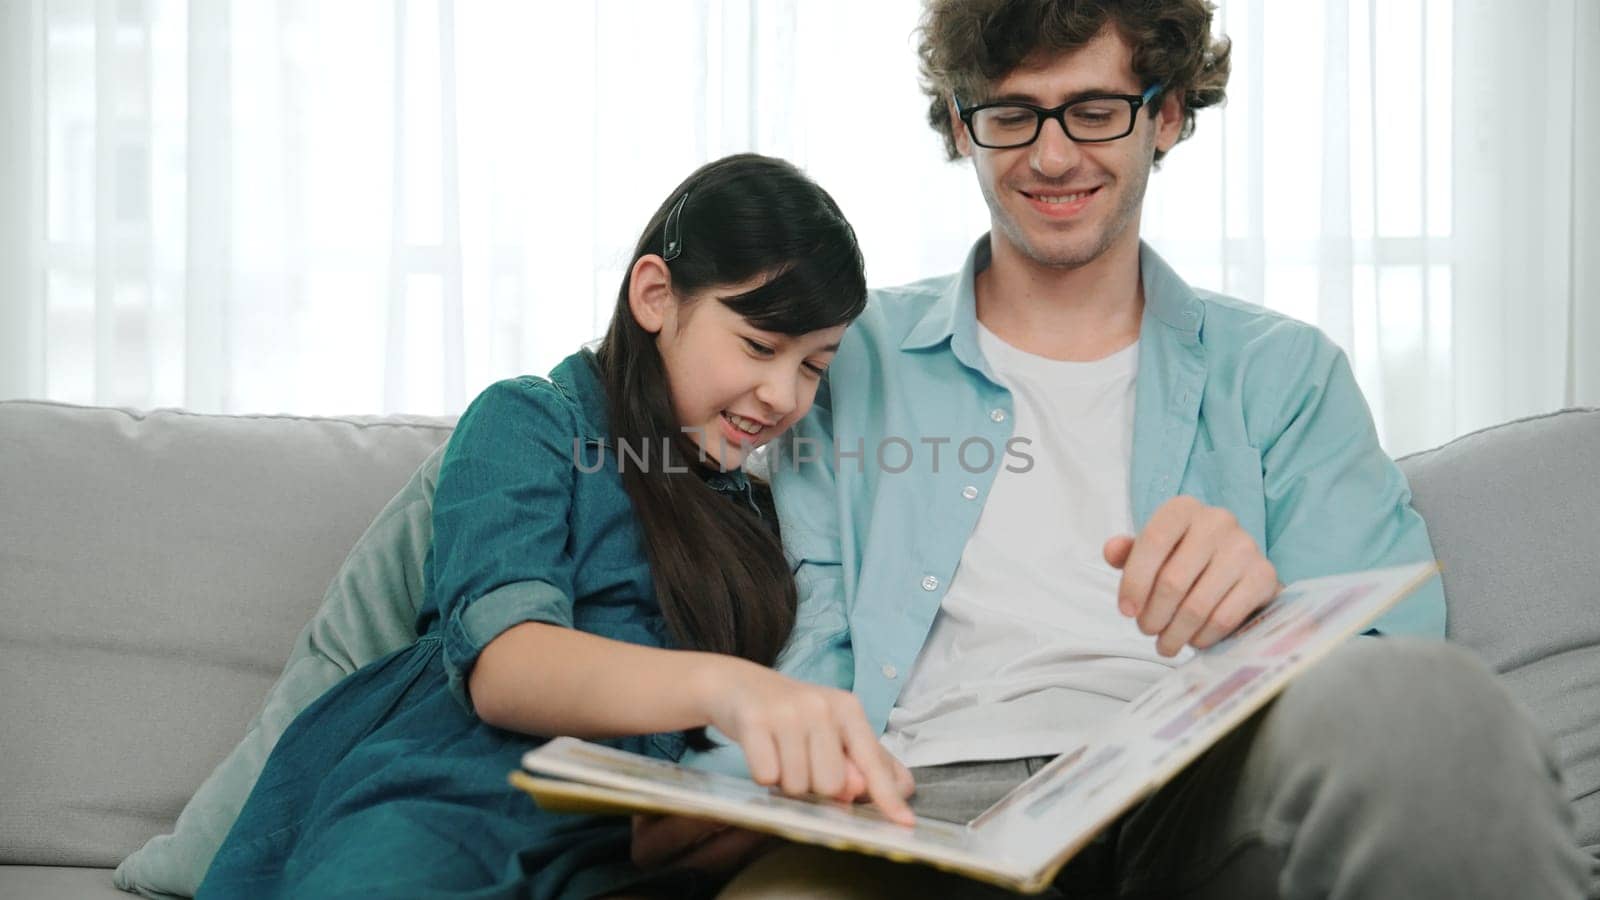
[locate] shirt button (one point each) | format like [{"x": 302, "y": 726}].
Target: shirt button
[
  {"x": 999, "y": 415},
  {"x": 930, "y": 583},
  {"x": 890, "y": 672},
  {"x": 969, "y": 492}
]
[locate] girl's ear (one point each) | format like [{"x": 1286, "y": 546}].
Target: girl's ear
[{"x": 650, "y": 293}]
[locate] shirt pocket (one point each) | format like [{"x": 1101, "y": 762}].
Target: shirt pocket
[{"x": 1230, "y": 477}]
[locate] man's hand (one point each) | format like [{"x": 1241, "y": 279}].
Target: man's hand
[
  {"x": 1192, "y": 576},
  {"x": 682, "y": 842}
]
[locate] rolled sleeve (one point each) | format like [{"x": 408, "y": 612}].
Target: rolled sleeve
[
  {"x": 472, "y": 626},
  {"x": 501, "y": 544}
]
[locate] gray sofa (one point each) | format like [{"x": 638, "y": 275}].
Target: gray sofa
[{"x": 155, "y": 569}]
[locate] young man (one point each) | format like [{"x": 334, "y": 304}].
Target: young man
[{"x": 1158, "y": 460}]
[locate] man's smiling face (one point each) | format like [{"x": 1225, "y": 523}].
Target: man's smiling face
[{"x": 1058, "y": 203}]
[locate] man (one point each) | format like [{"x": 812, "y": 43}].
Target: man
[{"x": 1159, "y": 459}]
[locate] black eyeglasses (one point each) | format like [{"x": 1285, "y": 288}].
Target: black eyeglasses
[{"x": 1087, "y": 120}]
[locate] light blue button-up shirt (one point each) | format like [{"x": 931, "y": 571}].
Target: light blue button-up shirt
[{"x": 880, "y": 486}]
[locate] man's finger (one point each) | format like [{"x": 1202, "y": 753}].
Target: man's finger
[
  {"x": 1258, "y": 585},
  {"x": 1116, "y": 550},
  {"x": 1196, "y": 609},
  {"x": 1175, "y": 578},
  {"x": 1150, "y": 549}
]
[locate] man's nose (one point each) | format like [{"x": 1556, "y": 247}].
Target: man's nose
[{"x": 1053, "y": 153}]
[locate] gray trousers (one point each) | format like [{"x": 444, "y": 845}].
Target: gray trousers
[{"x": 1392, "y": 769}]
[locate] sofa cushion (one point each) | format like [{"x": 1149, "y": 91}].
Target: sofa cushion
[
  {"x": 1512, "y": 514},
  {"x": 154, "y": 571},
  {"x": 369, "y": 611}
]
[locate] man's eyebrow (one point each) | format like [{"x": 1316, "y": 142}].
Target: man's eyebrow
[{"x": 1075, "y": 96}]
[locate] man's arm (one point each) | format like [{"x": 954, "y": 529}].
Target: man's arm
[
  {"x": 805, "y": 489},
  {"x": 1335, "y": 501}
]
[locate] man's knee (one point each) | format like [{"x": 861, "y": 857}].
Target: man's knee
[
  {"x": 1379, "y": 683},
  {"x": 1397, "y": 704},
  {"x": 1417, "y": 748}
]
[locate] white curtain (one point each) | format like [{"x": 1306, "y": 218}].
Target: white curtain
[
  {"x": 1419, "y": 179},
  {"x": 382, "y": 206}
]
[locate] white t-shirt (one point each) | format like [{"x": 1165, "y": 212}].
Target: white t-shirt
[{"x": 1028, "y": 652}]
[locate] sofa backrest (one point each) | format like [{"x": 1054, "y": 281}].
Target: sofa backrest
[
  {"x": 1514, "y": 514},
  {"x": 155, "y": 569}
]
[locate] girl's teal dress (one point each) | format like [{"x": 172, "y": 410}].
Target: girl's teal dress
[{"x": 389, "y": 785}]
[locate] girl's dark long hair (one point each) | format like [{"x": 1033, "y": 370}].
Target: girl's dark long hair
[{"x": 720, "y": 575}]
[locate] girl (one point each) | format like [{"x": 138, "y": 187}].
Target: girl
[{"x": 600, "y": 567}]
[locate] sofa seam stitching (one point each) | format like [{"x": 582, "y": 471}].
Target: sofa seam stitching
[
  {"x": 140, "y": 416},
  {"x": 1487, "y": 428}
]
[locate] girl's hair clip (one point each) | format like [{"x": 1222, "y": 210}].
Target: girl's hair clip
[{"x": 673, "y": 239}]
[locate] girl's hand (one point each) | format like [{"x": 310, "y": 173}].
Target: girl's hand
[{"x": 803, "y": 738}]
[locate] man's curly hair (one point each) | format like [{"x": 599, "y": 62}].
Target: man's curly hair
[{"x": 966, "y": 46}]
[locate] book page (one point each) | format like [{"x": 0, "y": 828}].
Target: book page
[
  {"x": 1023, "y": 839},
  {"x": 742, "y": 801},
  {"x": 1190, "y": 708}
]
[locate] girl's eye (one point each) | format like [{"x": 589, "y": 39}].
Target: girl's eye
[
  {"x": 758, "y": 348},
  {"x": 816, "y": 370}
]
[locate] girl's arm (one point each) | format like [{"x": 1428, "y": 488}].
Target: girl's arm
[
  {"x": 504, "y": 583},
  {"x": 548, "y": 680}
]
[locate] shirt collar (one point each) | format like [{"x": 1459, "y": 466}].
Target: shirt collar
[
  {"x": 955, "y": 311},
  {"x": 734, "y": 482},
  {"x": 954, "y": 314},
  {"x": 1168, "y": 299}
]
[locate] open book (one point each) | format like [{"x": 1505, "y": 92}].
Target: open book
[{"x": 1023, "y": 840}]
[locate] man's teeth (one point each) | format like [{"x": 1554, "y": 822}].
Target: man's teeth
[
  {"x": 1064, "y": 198},
  {"x": 740, "y": 422}
]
